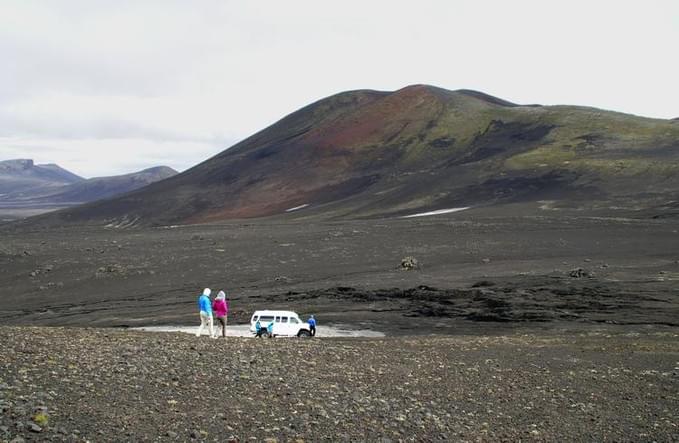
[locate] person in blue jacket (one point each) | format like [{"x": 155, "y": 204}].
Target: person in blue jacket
[
  {"x": 259, "y": 329},
  {"x": 312, "y": 325},
  {"x": 205, "y": 308}
]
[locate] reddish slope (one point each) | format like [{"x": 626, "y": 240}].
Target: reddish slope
[{"x": 367, "y": 153}]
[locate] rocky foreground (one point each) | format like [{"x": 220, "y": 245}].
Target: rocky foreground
[{"x": 62, "y": 384}]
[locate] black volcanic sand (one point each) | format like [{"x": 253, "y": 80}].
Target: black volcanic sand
[
  {"x": 557, "y": 326},
  {"x": 82, "y": 384},
  {"x": 479, "y": 273}
]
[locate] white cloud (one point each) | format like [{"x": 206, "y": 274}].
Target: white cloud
[
  {"x": 91, "y": 75},
  {"x": 113, "y": 156}
]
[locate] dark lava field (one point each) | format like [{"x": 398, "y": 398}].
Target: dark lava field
[
  {"x": 500, "y": 327},
  {"x": 476, "y": 271}
]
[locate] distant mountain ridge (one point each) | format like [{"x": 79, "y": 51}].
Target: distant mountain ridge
[
  {"x": 23, "y": 175},
  {"x": 25, "y": 184},
  {"x": 26, "y": 167},
  {"x": 104, "y": 187},
  {"x": 422, "y": 148}
]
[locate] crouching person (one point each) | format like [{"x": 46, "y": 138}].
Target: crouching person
[
  {"x": 259, "y": 330},
  {"x": 264, "y": 331}
]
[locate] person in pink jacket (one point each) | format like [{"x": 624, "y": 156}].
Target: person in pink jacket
[{"x": 220, "y": 307}]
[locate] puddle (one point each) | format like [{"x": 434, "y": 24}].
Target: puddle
[{"x": 244, "y": 331}]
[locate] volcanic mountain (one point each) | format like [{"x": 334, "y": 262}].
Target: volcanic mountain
[
  {"x": 104, "y": 187},
  {"x": 373, "y": 154},
  {"x": 22, "y": 176},
  {"x": 27, "y": 186}
]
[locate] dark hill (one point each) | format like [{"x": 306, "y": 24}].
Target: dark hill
[{"x": 369, "y": 153}]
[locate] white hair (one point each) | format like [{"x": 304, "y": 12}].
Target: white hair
[{"x": 207, "y": 291}]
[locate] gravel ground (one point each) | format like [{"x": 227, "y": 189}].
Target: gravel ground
[{"x": 78, "y": 384}]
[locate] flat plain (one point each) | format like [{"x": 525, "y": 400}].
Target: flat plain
[{"x": 543, "y": 327}]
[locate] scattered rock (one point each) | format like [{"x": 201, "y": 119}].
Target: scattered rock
[
  {"x": 33, "y": 427},
  {"x": 171, "y": 434},
  {"x": 483, "y": 284},
  {"x": 485, "y": 261},
  {"x": 42, "y": 270},
  {"x": 114, "y": 269},
  {"x": 409, "y": 263},
  {"x": 41, "y": 418},
  {"x": 580, "y": 273}
]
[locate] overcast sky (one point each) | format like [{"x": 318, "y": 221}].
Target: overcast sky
[{"x": 108, "y": 87}]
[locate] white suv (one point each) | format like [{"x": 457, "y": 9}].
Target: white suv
[{"x": 285, "y": 323}]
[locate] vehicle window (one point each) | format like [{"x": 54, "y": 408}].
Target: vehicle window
[
  {"x": 254, "y": 318},
  {"x": 266, "y": 318},
  {"x": 284, "y": 319},
  {"x": 293, "y": 320},
  {"x": 278, "y": 319}
]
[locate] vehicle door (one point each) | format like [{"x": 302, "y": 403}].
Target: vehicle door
[
  {"x": 285, "y": 326},
  {"x": 293, "y": 325}
]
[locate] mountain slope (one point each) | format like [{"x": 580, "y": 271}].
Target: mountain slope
[
  {"x": 370, "y": 153},
  {"x": 104, "y": 187},
  {"x": 22, "y": 177},
  {"x": 22, "y": 182}
]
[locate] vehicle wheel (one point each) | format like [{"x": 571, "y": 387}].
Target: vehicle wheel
[
  {"x": 304, "y": 334},
  {"x": 264, "y": 334}
]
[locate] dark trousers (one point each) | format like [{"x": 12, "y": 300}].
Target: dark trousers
[
  {"x": 313, "y": 330},
  {"x": 222, "y": 321}
]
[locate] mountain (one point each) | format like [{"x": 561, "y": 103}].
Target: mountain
[
  {"x": 27, "y": 189},
  {"x": 373, "y": 154},
  {"x": 105, "y": 187},
  {"x": 22, "y": 177}
]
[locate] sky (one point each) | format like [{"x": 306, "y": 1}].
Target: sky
[{"x": 110, "y": 87}]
